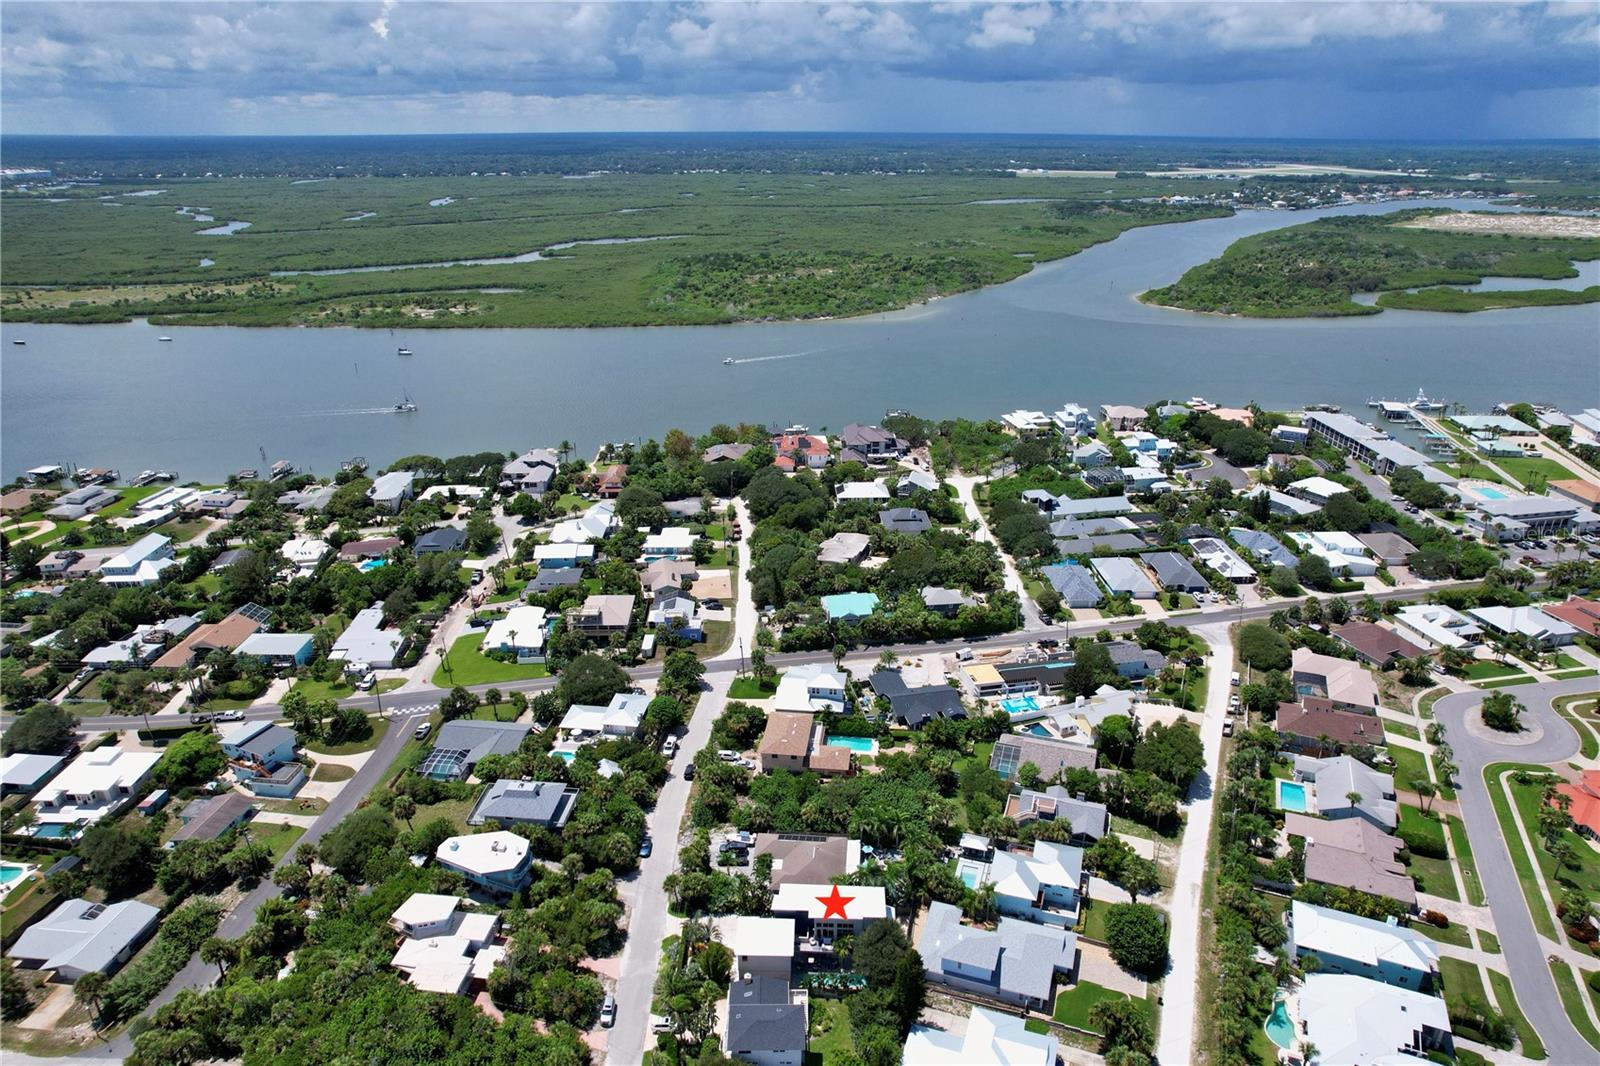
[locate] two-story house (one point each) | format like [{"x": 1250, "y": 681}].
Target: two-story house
[{"x": 499, "y": 863}]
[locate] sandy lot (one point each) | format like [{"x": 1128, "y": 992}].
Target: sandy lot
[{"x": 1513, "y": 225}]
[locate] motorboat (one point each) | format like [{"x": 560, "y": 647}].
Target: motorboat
[
  {"x": 164, "y": 340},
  {"x": 20, "y": 344},
  {"x": 402, "y": 350},
  {"x": 728, "y": 361},
  {"x": 1423, "y": 403},
  {"x": 405, "y": 406}
]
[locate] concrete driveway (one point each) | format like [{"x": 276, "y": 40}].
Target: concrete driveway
[{"x": 1525, "y": 951}]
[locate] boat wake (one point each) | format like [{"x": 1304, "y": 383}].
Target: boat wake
[
  {"x": 775, "y": 358},
  {"x": 342, "y": 412}
]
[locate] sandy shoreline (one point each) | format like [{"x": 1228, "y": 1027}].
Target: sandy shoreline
[{"x": 1510, "y": 225}]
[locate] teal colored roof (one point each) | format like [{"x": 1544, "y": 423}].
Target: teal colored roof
[{"x": 850, "y": 604}]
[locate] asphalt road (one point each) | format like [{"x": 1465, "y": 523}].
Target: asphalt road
[{"x": 1525, "y": 952}]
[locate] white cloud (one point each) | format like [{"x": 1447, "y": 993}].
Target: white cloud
[
  {"x": 380, "y": 25},
  {"x": 1010, "y": 25}
]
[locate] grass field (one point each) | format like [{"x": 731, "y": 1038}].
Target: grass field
[
  {"x": 1487, "y": 671},
  {"x": 1074, "y": 1004},
  {"x": 1462, "y": 981},
  {"x": 1469, "y": 868},
  {"x": 1429, "y": 698},
  {"x": 1533, "y": 467},
  {"x": 280, "y": 838},
  {"x": 380, "y": 726},
  {"x": 1572, "y": 997},
  {"x": 1401, "y": 729},
  {"x": 1580, "y": 711},
  {"x": 1409, "y": 766},
  {"x": 1532, "y": 1046},
  {"x": 748, "y": 688},
  {"x": 738, "y": 247},
  {"x": 831, "y": 1042},
  {"x": 468, "y": 667},
  {"x": 1489, "y": 942},
  {"x": 1526, "y": 876},
  {"x": 332, "y": 771},
  {"x": 1450, "y": 934}
]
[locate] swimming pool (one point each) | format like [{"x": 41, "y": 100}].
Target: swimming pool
[
  {"x": 1019, "y": 704},
  {"x": 969, "y": 878},
  {"x": 1486, "y": 493},
  {"x": 372, "y": 564},
  {"x": 565, "y": 756},
  {"x": 1292, "y": 796},
  {"x": 10, "y": 872},
  {"x": 859, "y": 745},
  {"x": 1040, "y": 731},
  {"x": 1280, "y": 1030}
]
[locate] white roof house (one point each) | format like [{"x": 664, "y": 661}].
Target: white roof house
[
  {"x": 391, "y": 490},
  {"x": 304, "y": 553},
  {"x": 859, "y": 903},
  {"x": 1353, "y": 1019},
  {"x": 140, "y": 563},
  {"x": 365, "y": 640},
  {"x": 990, "y": 1039},
  {"x": 21, "y": 772},
  {"x": 621, "y": 717},
  {"x": 1438, "y": 625},
  {"x": 817, "y": 687},
  {"x": 1384, "y": 951},
  {"x": 1317, "y": 489},
  {"x": 597, "y": 523},
  {"x": 81, "y": 937},
  {"x": 1027, "y": 423},
  {"x": 445, "y": 947},
  {"x": 673, "y": 542},
  {"x": 1342, "y": 551},
  {"x": 563, "y": 554},
  {"x": 1282, "y": 503},
  {"x": 851, "y": 491},
  {"x": 93, "y": 785},
  {"x": 767, "y": 938},
  {"x": 521, "y": 632},
  {"x": 1543, "y": 629},
  {"x": 484, "y": 854}
]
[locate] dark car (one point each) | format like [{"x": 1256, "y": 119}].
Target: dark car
[
  {"x": 688, "y": 772},
  {"x": 644, "y": 848},
  {"x": 200, "y": 718}
]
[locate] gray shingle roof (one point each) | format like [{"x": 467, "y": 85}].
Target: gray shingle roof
[
  {"x": 1023, "y": 958},
  {"x": 760, "y": 1017},
  {"x": 547, "y": 803},
  {"x": 1175, "y": 572},
  {"x": 478, "y": 738},
  {"x": 82, "y": 936}
]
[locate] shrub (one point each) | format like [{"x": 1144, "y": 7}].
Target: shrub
[
  {"x": 1435, "y": 918},
  {"x": 1137, "y": 936},
  {"x": 181, "y": 935},
  {"x": 1263, "y": 647}
]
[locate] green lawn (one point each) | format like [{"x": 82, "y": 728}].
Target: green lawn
[
  {"x": 1525, "y": 467},
  {"x": 468, "y": 667},
  {"x": 831, "y": 1041},
  {"x": 1586, "y": 876},
  {"x": 1484, "y": 671},
  {"x": 1579, "y": 710},
  {"x": 332, "y": 771},
  {"x": 453, "y": 811},
  {"x": 1572, "y": 1002},
  {"x": 1073, "y": 1005},
  {"x": 719, "y": 636},
  {"x": 1462, "y": 980},
  {"x": 1489, "y": 942},
  {"x": 1433, "y": 876},
  {"x": 1409, "y": 766},
  {"x": 1532, "y": 1046},
  {"x": 1429, "y": 698},
  {"x": 380, "y": 726},
  {"x": 1092, "y": 920},
  {"x": 748, "y": 688},
  {"x": 1410, "y": 732},
  {"x": 280, "y": 838},
  {"x": 1425, "y": 827},
  {"x": 1507, "y": 682},
  {"x": 1568, "y": 675},
  {"x": 1469, "y": 868},
  {"x": 1566, "y": 662},
  {"x": 1519, "y": 855},
  {"x": 1450, "y": 934}
]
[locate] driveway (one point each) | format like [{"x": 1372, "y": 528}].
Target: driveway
[
  {"x": 1032, "y": 620},
  {"x": 1525, "y": 951}
]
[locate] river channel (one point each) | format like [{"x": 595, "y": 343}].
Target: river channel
[{"x": 212, "y": 400}]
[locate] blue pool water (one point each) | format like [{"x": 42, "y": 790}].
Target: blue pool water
[
  {"x": 1019, "y": 704},
  {"x": 53, "y": 831},
  {"x": 1292, "y": 796},
  {"x": 859, "y": 745},
  {"x": 373, "y": 564},
  {"x": 1038, "y": 730},
  {"x": 1279, "y": 1028},
  {"x": 969, "y": 878},
  {"x": 1485, "y": 492},
  {"x": 9, "y": 873},
  {"x": 565, "y": 756}
]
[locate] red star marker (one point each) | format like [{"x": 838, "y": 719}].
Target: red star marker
[{"x": 833, "y": 904}]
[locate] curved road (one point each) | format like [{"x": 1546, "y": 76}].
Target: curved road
[{"x": 1525, "y": 951}]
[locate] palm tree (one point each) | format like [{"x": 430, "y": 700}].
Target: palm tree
[
  {"x": 405, "y": 809},
  {"x": 88, "y": 989},
  {"x": 1354, "y": 797},
  {"x": 493, "y": 697},
  {"x": 218, "y": 952}
]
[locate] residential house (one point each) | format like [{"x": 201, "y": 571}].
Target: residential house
[
  {"x": 946, "y": 602},
  {"x": 446, "y": 950},
  {"x": 1291, "y": 434},
  {"x": 1089, "y": 820},
  {"x": 365, "y": 643},
  {"x": 95, "y": 784},
  {"x": 1584, "y": 807},
  {"x": 768, "y": 1022},
  {"x": 989, "y": 1037},
  {"x": 1045, "y": 887},
  {"x": 499, "y": 863},
  {"x": 597, "y": 523},
  {"x": 807, "y": 858},
  {"x": 521, "y": 632},
  {"x": 305, "y": 554},
  {"x": 802, "y": 449},
  {"x": 1018, "y": 962},
  {"x": 1212, "y": 552},
  {"x": 1376, "y": 644},
  {"x": 914, "y": 707},
  {"x": 1074, "y": 420},
  {"x": 814, "y": 687},
  {"x": 1077, "y": 528},
  {"x": 844, "y": 548},
  {"x": 911, "y": 520},
  {"x": 914, "y": 481},
  {"x": 227, "y": 559},
  {"x": 79, "y": 503},
  {"x": 309, "y": 499},
  {"x": 509, "y": 802},
  {"x": 1123, "y": 417},
  {"x": 1263, "y": 547},
  {"x": 763, "y": 947},
  {"x": 1516, "y": 517},
  {"x": 146, "y": 644},
  {"x": 1175, "y": 573},
  {"x": 281, "y": 651},
  {"x": 211, "y": 816},
  {"x": 215, "y": 501},
  {"x": 1027, "y": 423},
  {"x": 1116, "y": 542},
  {"x": 258, "y": 747},
  {"x": 725, "y": 453},
  {"x": 461, "y": 744},
  {"x": 562, "y": 556},
  {"x": 668, "y": 574},
  {"x": 874, "y": 443},
  {"x": 1349, "y": 944},
  {"x": 794, "y": 741},
  {"x": 1105, "y": 477},
  {"x": 1281, "y": 503},
  {"x": 548, "y": 579},
  {"x": 608, "y": 486},
  {"x": 850, "y": 606},
  {"x": 1091, "y": 456},
  {"x": 1348, "y": 788},
  {"x": 439, "y": 540},
  {"x": 80, "y": 937},
  {"x": 1344, "y": 682},
  {"x": 1073, "y": 583},
  {"x": 370, "y": 548},
  {"x": 1316, "y": 727},
  {"x": 1391, "y": 549},
  {"x": 1066, "y": 507},
  {"x": 1544, "y": 630},
  {"x": 1352, "y": 1019},
  {"x": 673, "y": 542},
  {"x": 225, "y": 635},
  {"x": 1050, "y": 756},
  {"x": 1345, "y": 555},
  {"x": 24, "y": 773},
  {"x": 1353, "y": 853},
  {"x": 1438, "y": 626},
  {"x": 622, "y": 717},
  {"x": 676, "y": 610},
  {"x": 1319, "y": 490},
  {"x": 531, "y": 472},
  {"x": 140, "y": 563},
  {"x": 823, "y": 913},
  {"x": 1583, "y": 615},
  {"x": 389, "y": 492},
  {"x": 1124, "y": 576},
  {"x": 862, "y": 492},
  {"x": 1134, "y": 662},
  {"x": 603, "y": 615}
]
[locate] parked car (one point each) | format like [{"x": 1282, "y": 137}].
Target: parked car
[
  {"x": 422, "y": 731},
  {"x": 368, "y": 680},
  {"x": 1227, "y": 727},
  {"x": 727, "y": 755},
  {"x": 669, "y": 747},
  {"x": 201, "y": 718},
  {"x": 711, "y": 604},
  {"x": 644, "y": 848},
  {"x": 658, "y": 1024},
  {"x": 688, "y": 772},
  {"x": 230, "y": 716},
  {"x": 608, "y": 1011}
]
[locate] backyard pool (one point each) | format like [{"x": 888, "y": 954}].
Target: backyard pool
[
  {"x": 1292, "y": 796},
  {"x": 11, "y": 873},
  {"x": 565, "y": 756},
  {"x": 1280, "y": 1030},
  {"x": 373, "y": 564},
  {"x": 1019, "y": 704},
  {"x": 969, "y": 878},
  {"x": 859, "y": 745},
  {"x": 1039, "y": 731},
  {"x": 1485, "y": 492}
]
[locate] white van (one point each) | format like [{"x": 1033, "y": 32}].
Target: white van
[{"x": 1234, "y": 680}]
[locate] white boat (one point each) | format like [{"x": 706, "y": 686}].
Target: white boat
[
  {"x": 728, "y": 361},
  {"x": 405, "y": 406},
  {"x": 402, "y": 350},
  {"x": 165, "y": 340},
  {"x": 19, "y": 344},
  {"x": 1422, "y": 403}
]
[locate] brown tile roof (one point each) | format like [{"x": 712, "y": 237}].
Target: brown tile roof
[
  {"x": 827, "y": 760},
  {"x": 228, "y": 633},
  {"x": 1577, "y": 490},
  {"x": 1375, "y": 643},
  {"x": 1353, "y": 853},
  {"x": 804, "y": 858},
  {"x": 788, "y": 733},
  {"x": 371, "y": 548},
  {"x": 1316, "y": 718},
  {"x": 1580, "y": 614}
]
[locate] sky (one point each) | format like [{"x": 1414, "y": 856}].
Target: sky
[{"x": 1386, "y": 69}]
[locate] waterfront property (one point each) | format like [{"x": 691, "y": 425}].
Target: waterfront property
[{"x": 1378, "y": 450}]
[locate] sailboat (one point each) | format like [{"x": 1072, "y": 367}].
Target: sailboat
[{"x": 405, "y": 406}]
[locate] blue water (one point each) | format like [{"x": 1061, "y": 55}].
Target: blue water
[
  {"x": 969, "y": 878},
  {"x": 1292, "y": 796},
  {"x": 53, "y": 831},
  {"x": 1485, "y": 492},
  {"x": 1279, "y": 1028},
  {"x": 859, "y": 745},
  {"x": 9, "y": 874},
  {"x": 373, "y": 564},
  {"x": 566, "y": 756},
  {"x": 1019, "y": 704},
  {"x": 1038, "y": 730}
]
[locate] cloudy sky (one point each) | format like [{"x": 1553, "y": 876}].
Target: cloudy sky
[{"x": 1392, "y": 68}]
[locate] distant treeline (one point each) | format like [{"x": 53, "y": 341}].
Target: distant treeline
[{"x": 656, "y": 153}]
